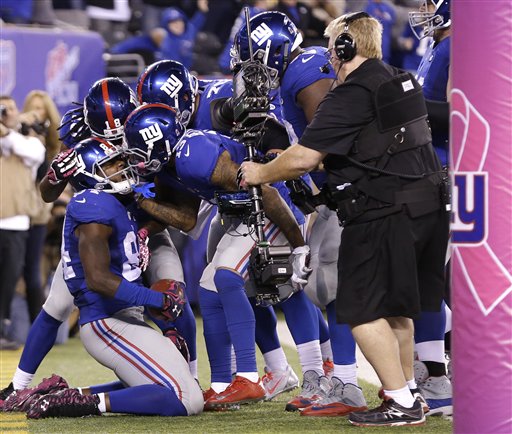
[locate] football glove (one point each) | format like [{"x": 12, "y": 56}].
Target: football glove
[
  {"x": 144, "y": 252},
  {"x": 174, "y": 300},
  {"x": 300, "y": 265},
  {"x": 63, "y": 166},
  {"x": 179, "y": 341}
]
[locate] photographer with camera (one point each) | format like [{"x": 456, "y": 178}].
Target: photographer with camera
[
  {"x": 20, "y": 157},
  {"x": 387, "y": 187}
]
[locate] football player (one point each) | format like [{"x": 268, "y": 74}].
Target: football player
[
  {"x": 193, "y": 165},
  {"x": 101, "y": 270},
  {"x": 304, "y": 79}
]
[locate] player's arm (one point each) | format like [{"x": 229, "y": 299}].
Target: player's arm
[
  {"x": 311, "y": 96},
  {"x": 62, "y": 167},
  {"x": 224, "y": 175},
  {"x": 172, "y": 207}
]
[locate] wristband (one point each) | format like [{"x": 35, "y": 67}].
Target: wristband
[{"x": 138, "y": 295}]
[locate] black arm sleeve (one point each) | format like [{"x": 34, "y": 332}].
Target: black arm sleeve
[
  {"x": 274, "y": 136},
  {"x": 439, "y": 116}
]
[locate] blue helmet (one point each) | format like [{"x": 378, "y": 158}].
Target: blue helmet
[
  {"x": 424, "y": 22},
  {"x": 274, "y": 37},
  {"x": 169, "y": 82},
  {"x": 93, "y": 155},
  {"x": 106, "y": 107},
  {"x": 151, "y": 133},
  {"x": 73, "y": 129}
]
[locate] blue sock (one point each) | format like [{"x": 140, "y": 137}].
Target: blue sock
[
  {"x": 323, "y": 328},
  {"x": 186, "y": 326},
  {"x": 150, "y": 399},
  {"x": 301, "y": 317},
  {"x": 107, "y": 387},
  {"x": 430, "y": 326},
  {"x": 266, "y": 331},
  {"x": 342, "y": 341},
  {"x": 216, "y": 336},
  {"x": 239, "y": 318},
  {"x": 40, "y": 340}
]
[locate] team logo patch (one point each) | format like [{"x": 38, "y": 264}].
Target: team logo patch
[
  {"x": 475, "y": 253},
  {"x": 151, "y": 134},
  {"x": 7, "y": 66},
  {"x": 261, "y": 33}
]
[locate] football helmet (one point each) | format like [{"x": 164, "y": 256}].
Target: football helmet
[
  {"x": 106, "y": 107},
  {"x": 73, "y": 129},
  {"x": 93, "y": 155},
  {"x": 273, "y": 36},
  {"x": 151, "y": 132},
  {"x": 169, "y": 82},
  {"x": 424, "y": 22}
]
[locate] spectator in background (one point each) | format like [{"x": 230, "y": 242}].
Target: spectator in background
[
  {"x": 255, "y": 7},
  {"x": 16, "y": 11},
  {"x": 109, "y": 18},
  {"x": 152, "y": 11},
  {"x": 39, "y": 104},
  {"x": 302, "y": 15},
  {"x": 20, "y": 156},
  {"x": 412, "y": 49},
  {"x": 173, "y": 40},
  {"x": 385, "y": 13}
]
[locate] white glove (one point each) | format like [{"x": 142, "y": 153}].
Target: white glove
[{"x": 300, "y": 264}]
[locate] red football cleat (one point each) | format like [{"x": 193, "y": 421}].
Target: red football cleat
[{"x": 240, "y": 391}]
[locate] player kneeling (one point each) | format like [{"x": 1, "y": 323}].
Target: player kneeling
[{"x": 101, "y": 269}]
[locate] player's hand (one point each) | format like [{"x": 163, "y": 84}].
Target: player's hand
[
  {"x": 144, "y": 252},
  {"x": 179, "y": 341},
  {"x": 300, "y": 264},
  {"x": 174, "y": 300},
  {"x": 63, "y": 166}
]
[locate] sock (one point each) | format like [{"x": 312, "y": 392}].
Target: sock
[
  {"x": 251, "y": 376},
  {"x": 219, "y": 387},
  {"x": 21, "y": 379},
  {"x": 429, "y": 333},
  {"x": 411, "y": 384},
  {"x": 240, "y": 318},
  {"x": 302, "y": 319},
  {"x": 326, "y": 350},
  {"x": 342, "y": 342},
  {"x": 276, "y": 360},
  {"x": 40, "y": 341},
  {"x": 216, "y": 336},
  {"x": 266, "y": 331},
  {"x": 186, "y": 326},
  {"x": 432, "y": 351},
  {"x": 346, "y": 373},
  {"x": 148, "y": 399},
  {"x": 102, "y": 406},
  {"x": 107, "y": 387},
  {"x": 401, "y": 396},
  {"x": 310, "y": 357}
]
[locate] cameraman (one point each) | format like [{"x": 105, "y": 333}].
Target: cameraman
[
  {"x": 20, "y": 156},
  {"x": 385, "y": 181}
]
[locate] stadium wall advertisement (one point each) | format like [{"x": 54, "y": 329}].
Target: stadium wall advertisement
[
  {"x": 64, "y": 64},
  {"x": 481, "y": 140}
]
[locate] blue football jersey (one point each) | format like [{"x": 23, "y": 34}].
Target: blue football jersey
[
  {"x": 303, "y": 71},
  {"x": 93, "y": 206},
  {"x": 433, "y": 77}
]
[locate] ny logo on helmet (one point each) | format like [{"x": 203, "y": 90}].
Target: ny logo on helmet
[
  {"x": 151, "y": 134},
  {"x": 172, "y": 86},
  {"x": 261, "y": 33}
]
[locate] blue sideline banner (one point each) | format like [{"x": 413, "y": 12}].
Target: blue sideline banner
[{"x": 62, "y": 63}]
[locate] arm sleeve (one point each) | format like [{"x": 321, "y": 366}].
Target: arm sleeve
[
  {"x": 339, "y": 119},
  {"x": 197, "y": 21}
]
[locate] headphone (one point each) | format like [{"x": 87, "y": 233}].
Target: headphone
[{"x": 344, "y": 45}]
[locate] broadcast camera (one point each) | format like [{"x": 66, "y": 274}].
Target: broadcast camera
[{"x": 269, "y": 265}]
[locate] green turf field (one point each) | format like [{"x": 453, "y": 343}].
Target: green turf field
[{"x": 73, "y": 363}]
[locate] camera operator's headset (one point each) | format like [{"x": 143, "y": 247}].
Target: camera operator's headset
[{"x": 344, "y": 45}]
